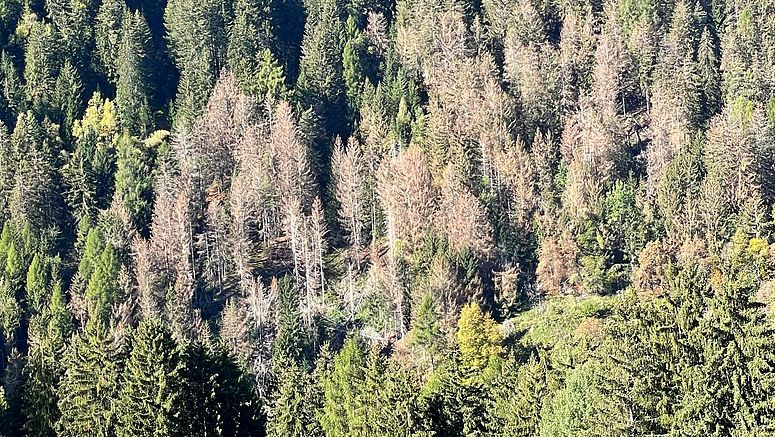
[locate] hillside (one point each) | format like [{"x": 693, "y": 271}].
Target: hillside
[{"x": 387, "y": 218}]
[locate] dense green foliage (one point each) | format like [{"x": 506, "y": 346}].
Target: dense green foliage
[{"x": 387, "y": 218}]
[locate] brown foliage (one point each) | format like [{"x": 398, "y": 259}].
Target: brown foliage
[
  {"x": 594, "y": 148},
  {"x": 515, "y": 177},
  {"x": 557, "y": 265},
  {"x": 462, "y": 218},
  {"x": 407, "y": 195},
  {"x": 351, "y": 190}
]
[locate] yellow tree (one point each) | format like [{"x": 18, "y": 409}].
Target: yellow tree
[{"x": 478, "y": 337}]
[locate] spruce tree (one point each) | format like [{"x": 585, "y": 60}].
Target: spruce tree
[
  {"x": 320, "y": 84},
  {"x": 134, "y": 78},
  {"x": 197, "y": 40},
  {"x": 296, "y": 404},
  {"x": 426, "y": 334},
  {"x": 90, "y": 387},
  {"x": 250, "y": 36},
  {"x": 36, "y": 199},
  {"x": 102, "y": 290},
  {"x": 12, "y": 89},
  {"x": 108, "y": 37},
  {"x": 269, "y": 77},
  {"x": 150, "y": 402},
  {"x": 41, "y": 65},
  {"x": 354, "y": 66},
  {"x": 341, "y": 413},
  {"x": 44, "y": 367},
  {"x": 134, "y": 179},
  {"x": 67, "y": 99},
  {"x": 218, "y": 397}
]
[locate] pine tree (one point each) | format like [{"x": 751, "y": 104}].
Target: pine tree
[
  {"x": 733, "y": 340},
  {"x": 37, "y": 284},
  {"x": 10, "y": 306},
  {"x": 151, "y": 393}
]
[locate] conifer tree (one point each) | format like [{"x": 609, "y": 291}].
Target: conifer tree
[
  {"x": 350, "y": 183},
  {"x": 35, "y": 200},
  {"x": 134, "y": 179},
  {"x": 12, "y": 90},
  {"x": 269, "y": 77},
  {"x": 102, "y": 291},
  {"x": 90, "y": 387},
  {"x": 341, "y": 413},
  {"x": 197, "y": 38},
  {"x": 218, "y": 396},
  {"x": 108, "y": 37},
  {"x": 67, "y": 100},
  {"x": 320, "y": 84},
  {"x": 151, "y": 390},
  {"x": 44, "y": 368},
  {"x": 134, "y": 78},
  {"x": 355, "y": 66},
  {"x": 41, "y": 65},
  {"x": 7, "y": 171},
  {"x": 426, "y": 333},
  {"x": 250, "y": 37},
  {"x": 295, "y": 407}
]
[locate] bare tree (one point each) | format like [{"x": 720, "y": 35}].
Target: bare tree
[
  {"x": 557, "y": 264},
  {"x": 377, "y": 32},
  {"x": 351, "y": 192},
  {"x": 612, "y": 68},
  {"x": 149, "y": 298}
]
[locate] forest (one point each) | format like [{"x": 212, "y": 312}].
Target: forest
[{"x": 419, "y": 218}]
